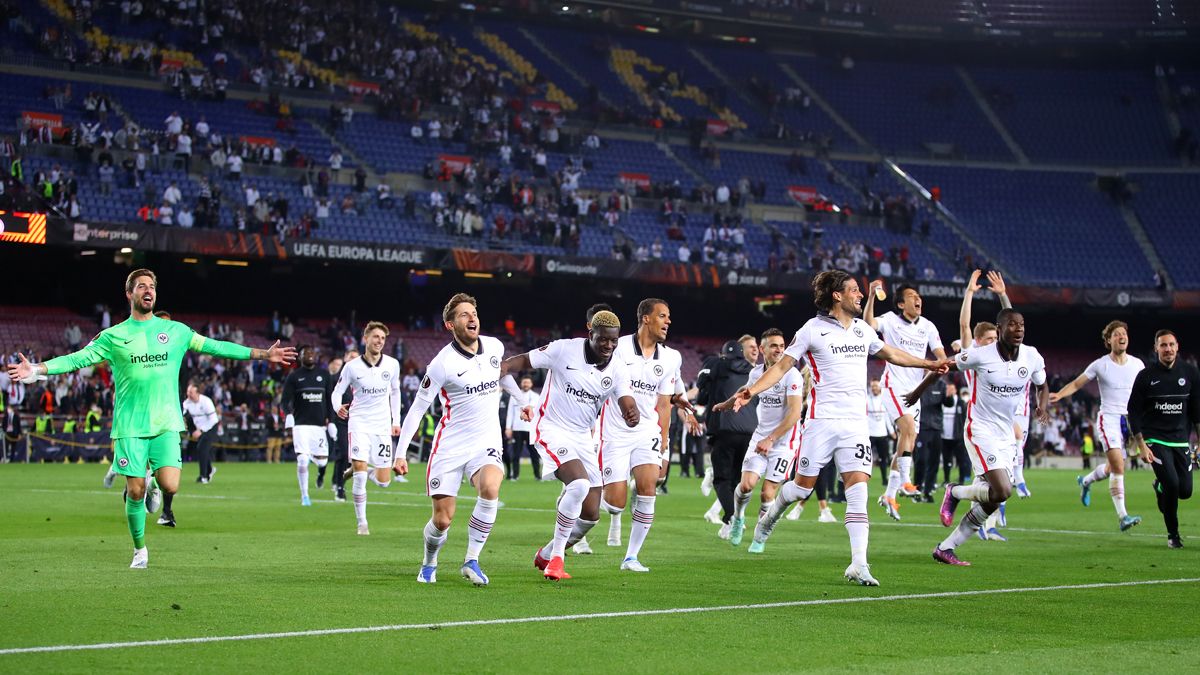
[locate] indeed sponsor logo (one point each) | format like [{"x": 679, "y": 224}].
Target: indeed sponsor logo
[
  {"x": 372, "y": 391},
  {"x": 848, "y": 349},
  {"x": 581, "y": 394},
  {"x": 1006, "y": 389},
  {"x": 483, "y": 388},
  {"x": 1171, "y": 408},
  {"x": 312, "y": 396},
  {"x": 772, "y": 401},
  {"x": 643, "y": 386},
  {"x": 148, "y": 358}
]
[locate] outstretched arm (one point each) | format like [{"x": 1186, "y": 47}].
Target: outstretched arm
[
  {"x": 515, "y": 364},
  {"x": 769, "y": 377},
  {"x": 1071, "y": 387},
  {"x": 903, "y": 358},
  {"x": 231, "y": 350}
]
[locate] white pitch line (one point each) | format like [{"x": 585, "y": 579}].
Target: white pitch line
[{"x": 579, "y": 617}]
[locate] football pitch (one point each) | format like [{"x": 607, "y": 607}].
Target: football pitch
[{"x": 250, "y": 579}]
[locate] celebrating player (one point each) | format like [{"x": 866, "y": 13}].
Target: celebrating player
[
  {"x": 1001, "y": 373},
  {"x": 1164, "y": 411},
  {"x": 1115, "y": 372},
  {"x": 836, "y": 344},
  {"x": 653, "y": 370},
  {"x": 583, "y": 374},
  {"x": 912, "y": 333},
  {"x": 775, "y": 442},
  {"x": 145, "y": 353},
  {"x": 467, "y": 374},
  {"x": 374, "y": 416},
  {"x": 306, "y": 396}
]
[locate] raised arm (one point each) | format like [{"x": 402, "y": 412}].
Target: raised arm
[
  {"x": 869, "y": 308},
  {"x": 996, "y": 283},
  {"x": 964, "y": 312}
]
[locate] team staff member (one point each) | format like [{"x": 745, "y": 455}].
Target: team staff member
[
  {"x": 205, "y": 417},
  {"x": 1164, "y": 410}
]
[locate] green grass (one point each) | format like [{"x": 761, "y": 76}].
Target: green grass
[{"x": 248, "y": 559}]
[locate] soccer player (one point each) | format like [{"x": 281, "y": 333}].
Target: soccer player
[
  {"x": 145, "y": 353},
  {"x": 1164, "y": 411},
  {"x": 1115, "y": 373},
  {"x": 836, "y": 344},
  {"x": 339, "y": 431},
  {"x": 775, "y": 441},
  {"x": 653, "y": 370},
  {"x": 305, "y": 401},
  {"x": 374, "y": 416},
  {"x": 910, "y": 332},
  {"x": 1000, "y": 375},
  {"x": 583, "y": 374},
  {"x": 468, "y": 375}
]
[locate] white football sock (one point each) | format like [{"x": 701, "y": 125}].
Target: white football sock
[
  {"x": 434, "y": 540},
  {"x": 1098, "y": 473},
  {"x": 480, "y": 526},
  {"x": 1116, "y": 487},
  {"x": 359, "y": 491},
  {"x": 966, "y": 528},
  {"x": 570, "y": 503},
  {"x": 858, "y": 526},
  {"x": 740, "y": 500},
  {"x": 642, "y": 519},
  {"x": 302, "y": 475},
  {"x": 975, "y": 492},
  {"x": 893, "y": 484},
  {"x": 904, "y": 466}
]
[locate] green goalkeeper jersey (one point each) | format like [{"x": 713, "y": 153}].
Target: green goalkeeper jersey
[{"x": 145, "y": 357}]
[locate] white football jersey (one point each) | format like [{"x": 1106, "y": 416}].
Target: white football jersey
[
  {"x": 998, "y": 387},
  {"x": 1115, "y": 381},
  {"x": 649, "y": 377},
  {"x": 376, "y": 405},
  {"x": 914, "y": 337},
  {"x": 773, "y": 403},
  {"x": 469, "y": 387},
  {"x": 575, "y": 390},
  {"x": 838, "y": 358}
]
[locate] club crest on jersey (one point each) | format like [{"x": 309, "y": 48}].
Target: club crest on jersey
[
  {"x": 425, "y": 382},
  {"x": 162, "y": 338},
  {"x": 963, "y": 357},
  {"x": 858, "y": 332},
  {"x": 606, "y": 382},
  {"x": 435, "y": 483},
  {"x": 386, "y": 375},
  {"x": 320, "y": 379},
  {"x": 122, "y": 462},
  {"x": 495, "y": 362},
  {"x": 991, "y": 459},
  {"x": 543, "y": 348},
  {"x": 562, "y": 452},
  {"x": 1022, "y": 372},
  {"x": 804, "y": 462},
  {"x": 1182, "y": 381},
  {"x": 608, "y": 471},
  {"x": 658, "y": 371}
]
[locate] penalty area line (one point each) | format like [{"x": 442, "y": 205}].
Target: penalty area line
[{"x": 579, "y": 617}]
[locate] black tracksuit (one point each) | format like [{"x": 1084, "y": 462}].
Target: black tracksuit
[{"x": 1163, "y": 407}]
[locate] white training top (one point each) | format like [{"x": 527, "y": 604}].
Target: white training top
[
  {"x": 376, "y": 405},
  {"x": 203, "y": 412},
  {"x": 1115, "y": 381},
  {"x": 469, "y": 387},
  {"x": 526, "y": 399},
  {"x": 773, "y": 403},
  {"x": 997, "y": 387},
  {"x": 879, "y": 422},
  {"x": 838, "y": 358},
  {"x": 914, "y": 337},
  {"x": 575, "y": 390},
  {"x": 650, "y": 376}
]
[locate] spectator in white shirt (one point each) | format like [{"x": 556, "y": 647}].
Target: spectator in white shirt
[{"x": 172, "y": 195}]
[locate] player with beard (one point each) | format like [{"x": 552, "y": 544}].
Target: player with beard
[
  {"x": 374, "y": 417},
  {"x": 1000, "y": 375},
  {"x": 1115, "y": 373},
  {"x": 907, "y": 330},
  {"x": 583, "y": 375},
  {"x": 305, "y": 401},
  {"x": 145, "y": 353},
  {"x": 654, "y": 375},
  {"x": 836, "y": 344}
]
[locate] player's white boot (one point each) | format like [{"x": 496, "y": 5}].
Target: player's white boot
[
  {"x": 826, "y": 516},
  {"x": 363, "y": 529},
  {"x": 633, "y": 565},
  {"x": 796, "y": 512},
  {"x": 109, "y": 477},
  {"x": 582, "y": 547},
  {"x": 153, "y": 499},
  {"x": 713, "y": 514},
  {"x": 141, "y": 557},
  {"x": 706, "y": 485},
  {"x": 614, "y": 530},
  {"x": 861, "y": 574}
]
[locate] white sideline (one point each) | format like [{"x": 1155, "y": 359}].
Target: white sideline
[{"x": 578, "y": 617}]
